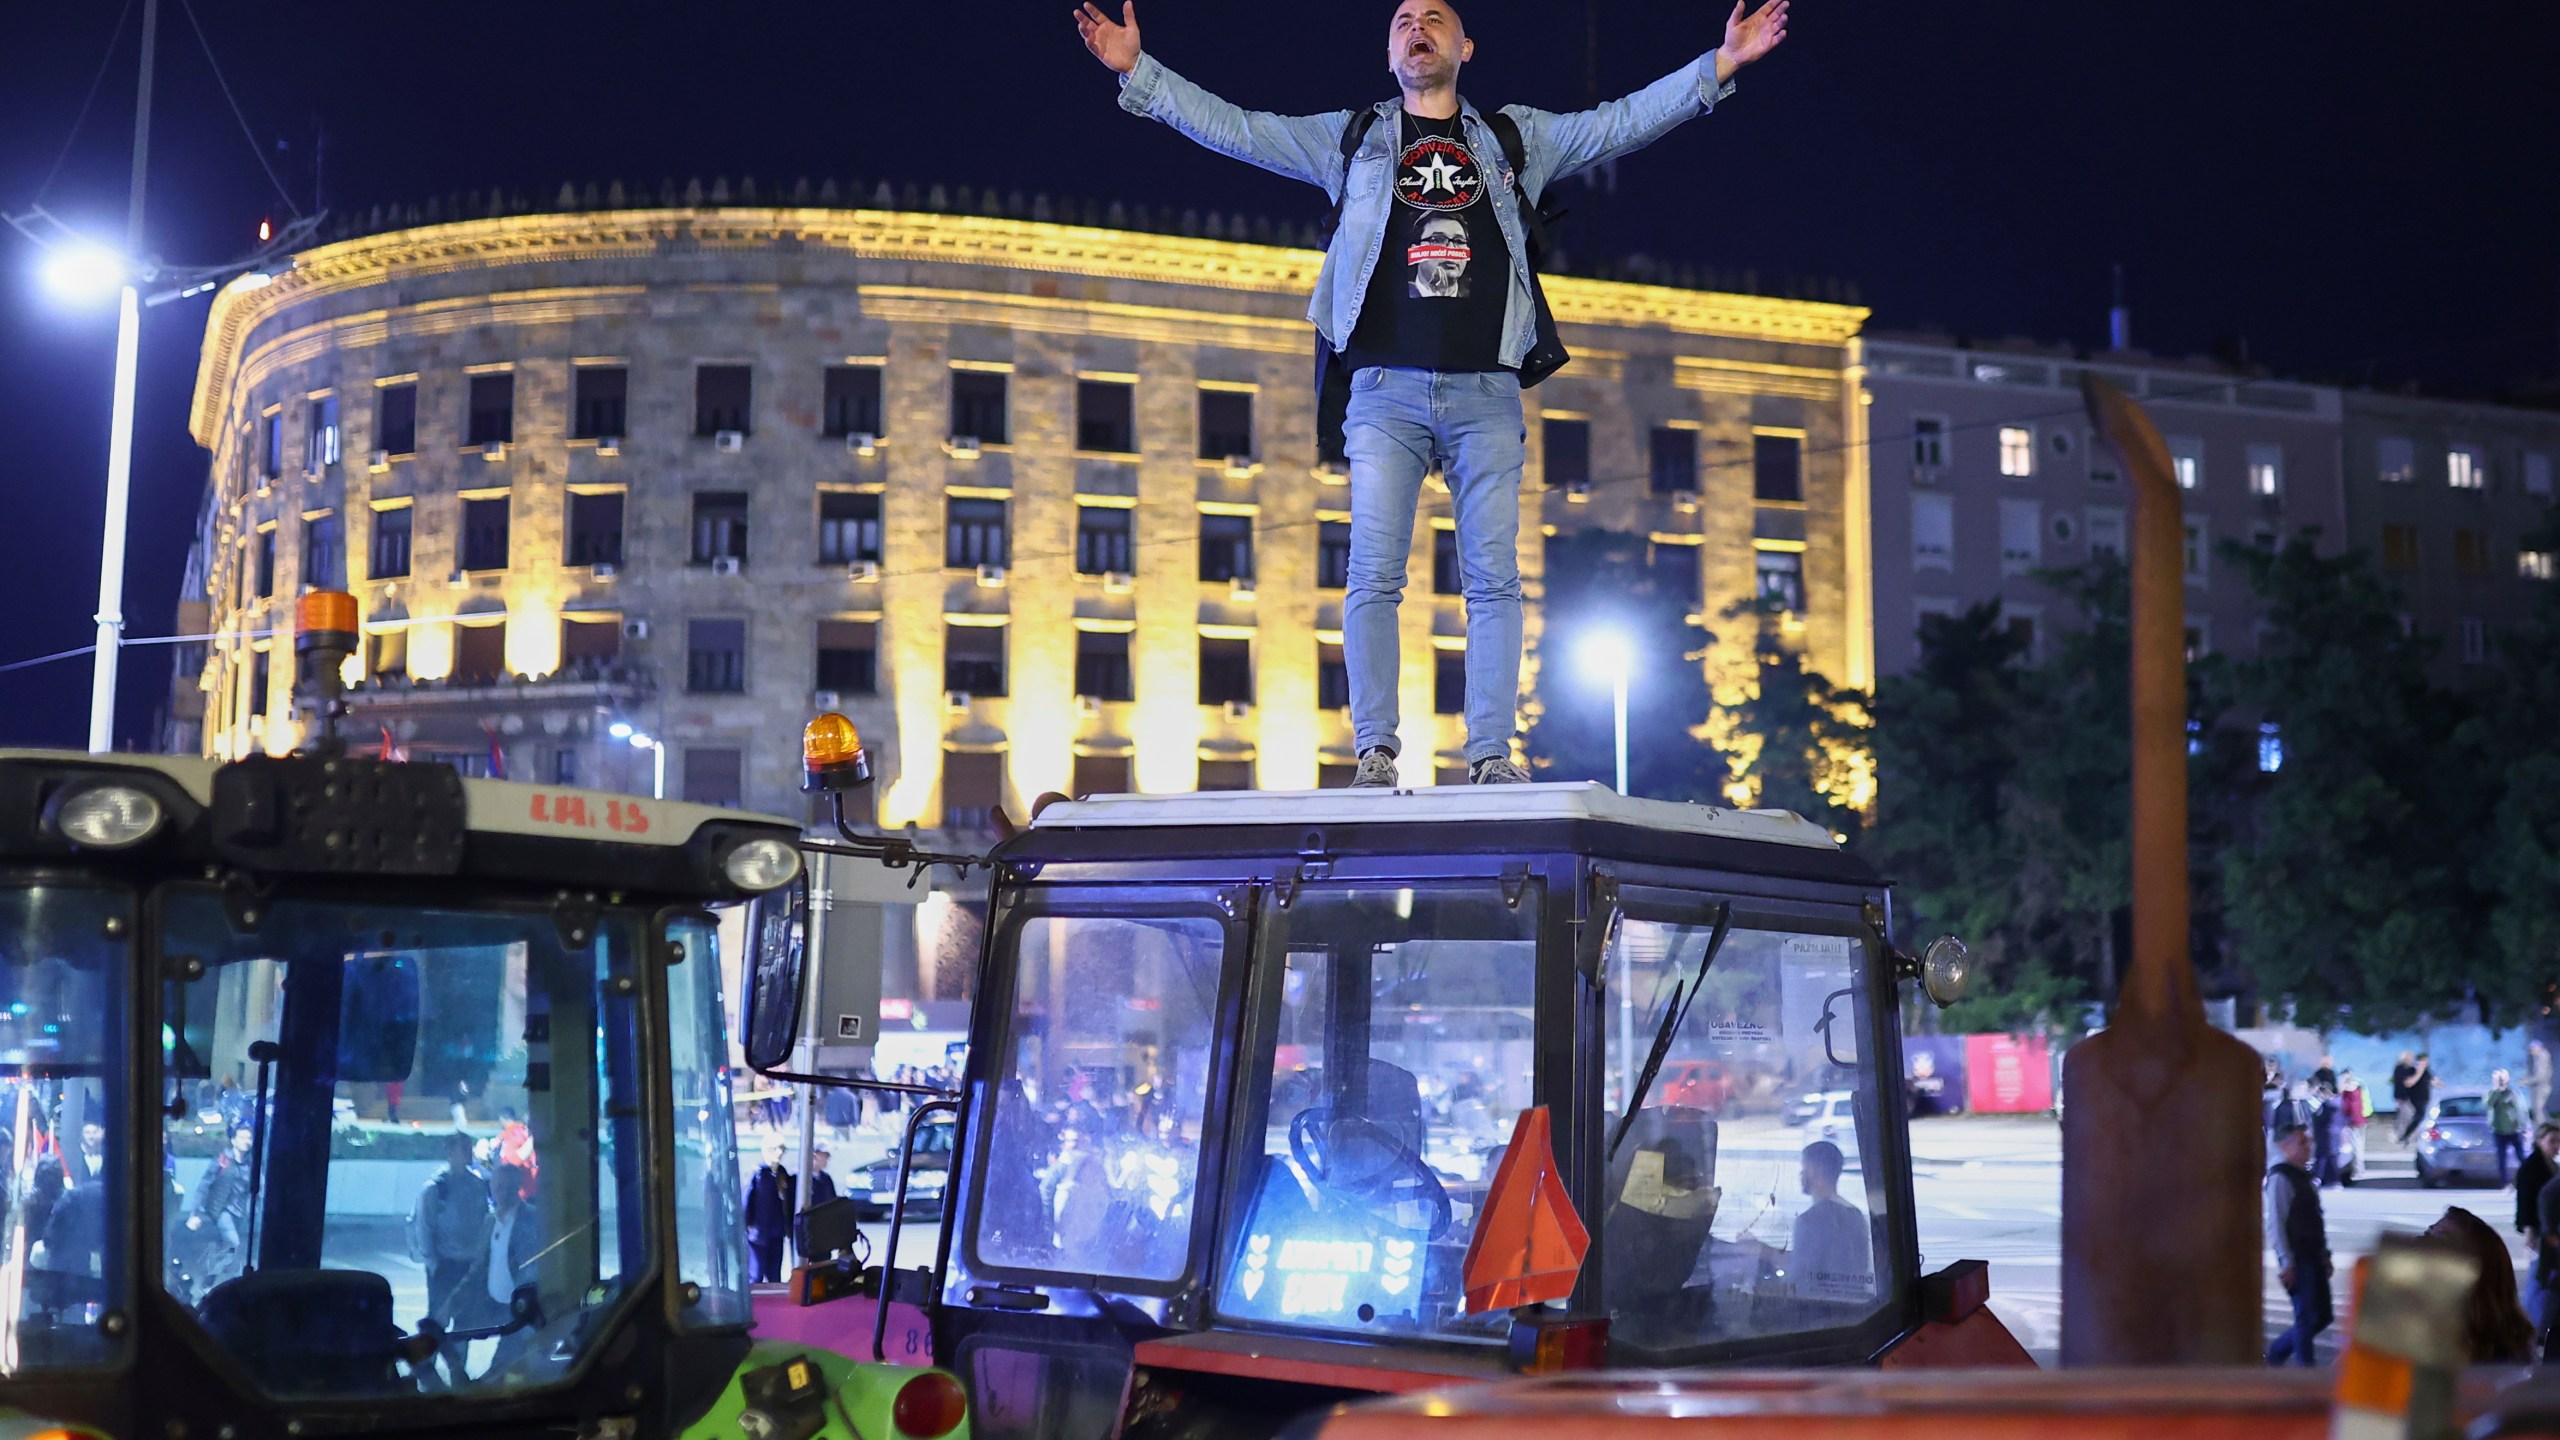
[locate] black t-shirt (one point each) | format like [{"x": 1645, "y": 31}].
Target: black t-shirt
[{"x": 1436, "y": 299}]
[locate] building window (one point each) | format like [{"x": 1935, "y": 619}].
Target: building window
[
  {"x": 1675, "y": 461},
  {"x": 853, "y": 401},
  {"x": 1777, "y": 468},
  {"x": 972, "y": 788},
  {"x": 598, "y": 397},
  {"x": 715, "y": 657},
  {"x": 848, "y": 527},
  {"x": 1099, "y": 775},
  {"x": 588, "y": 647},
  {"x": 1449, "y": 682},
  {"x": 849, "y": 656},
  {"x": 722, "y": 398},
  {"x": 1333, "y": 554},
  {"x": 390, "y": 558},
  {"x": 1226, "y": 671},
  {"x": 564, "y": 765},
  {"x": 1102, "y": 665},
  {"x": 2400, "y": 547},
  {"x": 2106, "y": 532},
  {"x": 484, "y": 534},
  {"x": 1780, "y": 580},
  {"x": 479, "y": 654},
  {"x": 271, "y": 445},
  {"x": 2465, "y": 468},
  {"x": 1447, "y": 577},
  {"x": 2474, "y": 638},
  {"x": 261, "y": 677},
  {"x": 2018, "y": 450},
  {"x": 2199, "y": 645},
  {"x": 1568, "y": 453},
  {"x": 1226, "y": 424},
  {"x": 264, "y": 558},
  {"x": 719, "y": 526},
  {"x": 1929, "y": 441},
  {"x": 2537, "y": 475},
  {"x": 2470, "y": 552},
  {"x": 1226, "y": 546},
  {"x": 2266, "y": 470},
  {"x": 595, "y": 528},
  {"x": 1102, "y": 540},
  {"x": 1933, "y": 532},
  {"x": 1333, "y": 677},
  {"x": 1676, "y": 573},
  {"x": 2270, "y": 747},
  {"x": 493, "y": 410},
  {"x": 2534, "y": 565},
  {"x": 2186, "y": 458},
  {"x": 1107, "y": 416},
  {"x": 387, "y": 653},
  {"x": 714, "y": 776},
  {"x": 973, "y": 659},
  {"x": 2021, "y": 536},
  {"x": 977, "y": 406},
  {"x": 324, "y": 552},
  {"x": 2395, "y": 460},
  {"x": 395, "y": 419},
  {"x": 973, "y": 533},
  {"x": 1226, "y": 775},
  {"x": 2193, "y": 552},
  {"x": 320, "y": 440},
  {"x": 2021, "y": 626}
]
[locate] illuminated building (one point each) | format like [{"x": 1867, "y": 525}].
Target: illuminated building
[{"x": 1036, "y": 504}]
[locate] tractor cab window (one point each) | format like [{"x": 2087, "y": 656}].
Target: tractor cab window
[
  {"x": 404, "y": 1144},
  {"x": 1748, "y": 1197},
  {"x": 63, "y": 1184},
  {"x": 1402, "y": 1024}
]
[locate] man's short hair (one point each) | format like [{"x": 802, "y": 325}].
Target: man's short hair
[
  {"x": 2543, "y": 1129},
  {"x": 2287, "y": 1129},
  {"x": 1824, "y": 1159}
]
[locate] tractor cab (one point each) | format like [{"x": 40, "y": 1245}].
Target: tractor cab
[{"x": 1247, "y": 1073}]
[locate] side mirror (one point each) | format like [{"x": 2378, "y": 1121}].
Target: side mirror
[
  {"x": 777, "y": 961},
  {"x": 1946, "y": 970},
  {"x": 1835, "y": 1033}
]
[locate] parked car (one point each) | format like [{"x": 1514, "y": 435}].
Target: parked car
[
  {"x": 1699, "y": 1084},
  {"x": 1827, "y": 1111},
  {"x": 875, "y": 1186},
  {"x": 2454, "y": 1144}
]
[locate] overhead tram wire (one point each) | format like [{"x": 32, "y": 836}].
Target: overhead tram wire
[
  {"x": 246, "y": 131},
  {"x": 105, "y": 62}
]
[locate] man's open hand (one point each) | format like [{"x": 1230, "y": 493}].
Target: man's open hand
[
  {"x": 1116, "y": 45},
  {"x": 1746, "y": 37}
]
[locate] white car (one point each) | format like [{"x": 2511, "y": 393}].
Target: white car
[{"x": 1830, "y": 1109}]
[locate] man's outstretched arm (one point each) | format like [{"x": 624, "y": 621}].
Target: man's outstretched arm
[
  {"x": 1302, "y": 147},
  {"x": 1570, "y": 144}
]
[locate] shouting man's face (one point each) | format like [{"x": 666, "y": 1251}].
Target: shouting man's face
[{"x": 1426, "y": 45}]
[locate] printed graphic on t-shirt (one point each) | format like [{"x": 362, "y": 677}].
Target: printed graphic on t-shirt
[{"x": 1437, "y": 178}]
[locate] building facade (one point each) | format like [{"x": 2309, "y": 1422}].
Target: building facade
[
  {"x": 1038, "y": 505},
  {"x": 1986, "y": 471}
]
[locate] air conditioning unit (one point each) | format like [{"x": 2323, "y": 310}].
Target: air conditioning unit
[
  {"x": 1116, "y": 582},
  {"x": 1684, "y": 501},
  {"x": 955, "y": 701},
  {"x": 827, "y": 700},
  {"x": 494, "y": 450},
  {"x": 608, "y": 445},
  {"x": 1240, "y": 467},
  {"x": 730, "y": 441},
  {"x": 963, "y": 447},
  {"x": 724, "y": 564},
  {"x": 602, "y": 570},
  {"x": 990, "y": 577},
  {"x": 863, "y": 443},
  {"x": 1088, "y": 706},
  {"x": 1239, "y": 709},
  {"x": 1240, "y": 588},
  {"x": 635, "y": 629},
  {"x": 861, "y": 571},
  {"x": 378, "y": 461}
]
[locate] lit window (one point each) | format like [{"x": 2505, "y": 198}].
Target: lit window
[
  {"x": 1781, "y": 581},
  {"x": 2186, "y": 456},
  {"x": 2017, "y": 450},
  {"x": 2270, "y": 748},
  {"x": 2464, "y": 468},
  {"x": 2533, "y": 565},
  {"x": 2395, "y": 460},
  {"x": 1928, "y": 441},
  {"x": 2475, "y": 640},
  {"x": 2266, "y": 469}
]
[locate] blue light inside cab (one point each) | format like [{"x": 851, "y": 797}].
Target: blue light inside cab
[
  {"x": 2270, "y": 748},
  {"x": 18, "y": 1007},
  {"x": 1323, "y": 1264}
]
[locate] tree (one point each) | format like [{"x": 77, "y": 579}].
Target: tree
[
  {"x": 1798, "y": 741},
  {"x": 2517, "y": 742},
  {"x": 1597, "y": 579}
]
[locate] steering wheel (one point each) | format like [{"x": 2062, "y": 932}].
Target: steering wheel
[{"x": 1318, "y": 1138}]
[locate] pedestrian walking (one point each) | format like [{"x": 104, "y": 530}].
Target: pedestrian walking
[
  {"x": 1428, "y": 311},
  {"x": 2541, "y": 1165},
  {"x": 2323, "y": 1103},
  {"x": 2402, "y": 1071},
  {"x": 2354, "y": 1113},
  {"x": 2495, "y": 1329},
  {"x": 2506, "y": 1121},
  {"x": 822, "y": 1186},
  {"x": 2422, "y": 1093},
  {"x": 771, "y": 1193},
  {"x": 448, "y": 1228},
  {"x": 2537, "y": 1081},
  {"x": 2300, "y": 1239}
]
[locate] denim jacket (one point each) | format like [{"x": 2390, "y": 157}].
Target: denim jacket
[{"x": 1309, "y": 148}]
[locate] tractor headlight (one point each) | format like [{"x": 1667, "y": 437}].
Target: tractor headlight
[
  {"x": 107, "y": 817},
  {"x": 760, "y": 865}
]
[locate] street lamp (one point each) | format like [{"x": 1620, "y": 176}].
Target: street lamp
[
  {"x": 1605, "y": 655},
  {"x": 621, "y": 730}
]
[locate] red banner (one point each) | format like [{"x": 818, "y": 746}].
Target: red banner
[{"x": 2007, "y": 1074}]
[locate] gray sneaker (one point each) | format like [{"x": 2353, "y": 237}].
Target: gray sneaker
[
  {"x": 1377, "y": 769},
  {"x": 1497, "y": 771}
]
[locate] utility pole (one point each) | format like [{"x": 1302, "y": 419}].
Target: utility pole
[{"x": 102, "y": 680}]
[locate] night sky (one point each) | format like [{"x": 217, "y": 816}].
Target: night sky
[{"x": 2355, "y": 192}]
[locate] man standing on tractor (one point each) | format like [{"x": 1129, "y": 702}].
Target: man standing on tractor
[{"x": 1427, "y": 301}]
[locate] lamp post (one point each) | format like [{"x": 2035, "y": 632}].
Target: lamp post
[
  {"x": 1605, "y": 655},
  {"x": 640, "y": 740}
]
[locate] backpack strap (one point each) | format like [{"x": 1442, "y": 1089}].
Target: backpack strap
[
  {"x": 1538, "y": 220},
  {"x": 1354, "y": 131}
]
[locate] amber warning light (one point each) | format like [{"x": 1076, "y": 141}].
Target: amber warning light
[
  {"x": 325, "y": 620},
  {"x": 831, "y": 755}
]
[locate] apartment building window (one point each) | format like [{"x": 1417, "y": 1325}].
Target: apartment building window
[
  {"x": 848, "y": 527},
  {"x": 480, "y": 653},
  {"x": 973, "y": 659},
  {"x": 722, "y": 398},
  {"x": 564, "y": 765},
  {"x": 714, "y": 775},
  {"x": 1675, "y": 461},
  {"x": 1777, "y": 468},
  {"x": 1447, "y": 576},
  {"x": 493, "y": 410},
  {"x": 2400, "y": 547},
  {"x": 320, "y": 436},
  {"x": 2270, "y": 747},
  {"x": 2266, "y": 470},
  {"x": 261, "y": 678},
  {"x": 2018, "y": 450},
  {"x": 2537, "y": 475},
  {"x": 1333, "y": 677},
  {"x": 484, "y": 534},
  {"x": 598, "y": 397},
  {"x": 973, "y": 534},
  {"x": 719, "y": 526},
  {"x": 2021, "y": 625},
  {"x": 1226, "y": 424},
  {"x": 2534, "y": 565},
  {"x": 324, "y": 552},
  {"x": 1449, "y": 682},
  {"x": 2470, "y": 552},
  {"x": 589, "y": 646},
  {"x": 1929, "y": 441},
  {"x": 849, "y": 656},
  {"x": 1226, "y": 775},
  {"x": 2473, "y": 635},
  {"x": 1099, "y": 775},
  {"x": 1780, "y": 580},
  {"x": 271, "y": 445},
  {"x": 1333, "y": 554},
  {"x": 1226, "y": 671},
  {"x": 972, "y": 788},
  {"x": 1933, "y": 532},
  {"x": 2395, "y": 460},
  {"x": 1567, "y": 444},
  {"x": 395, "y": 419},
  {"x": 2465, "y": 468},
  {"x": 1107, "y": 416},
  {"x": 1676, "y": 573},
  {"x": 977, "y": 406},
  {"x": 387, "y": 653},
  {"x": 263, "y": 561},
  {"x": 2021, "y": 536},
  {"x": 2106, "y": 532},
  {"x": 715, "y": 657},
  {"x": 2194, "y": 553},
  {"x": 1102, "y": 665},
  {"x": 390, "y": 557},
  {"x": 595, "y": 528},
  {"x": 853, "y": 401},
  {"x": 2186, "y": 458},
  {"x": 1226, "y": 548},
  {"x": 1102, "y": 540}
]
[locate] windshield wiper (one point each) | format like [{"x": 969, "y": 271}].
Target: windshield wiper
[{"x": 1674, "y": 1011}]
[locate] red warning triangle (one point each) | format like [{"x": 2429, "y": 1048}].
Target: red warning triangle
[{"x": 1529, "y": 1242}]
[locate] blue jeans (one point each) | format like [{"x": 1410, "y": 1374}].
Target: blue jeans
[
  {"x": 2311, "y": 1315},
  {"x": 1399, "y": 422}
]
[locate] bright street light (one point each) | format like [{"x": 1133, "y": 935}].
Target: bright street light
[
  {"x": 81, "y": 271},
  {"x": 621, "y": 730},
  {"x": 1606, "y": 656}
]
